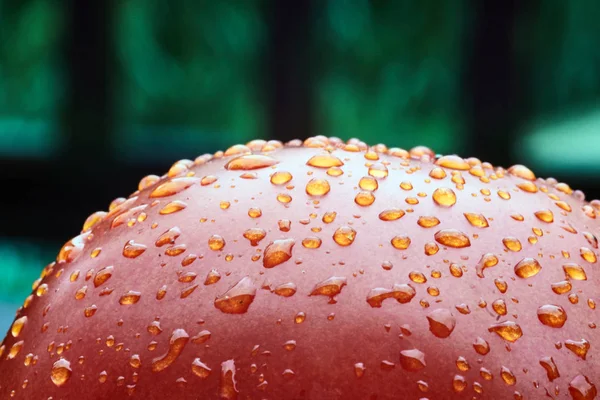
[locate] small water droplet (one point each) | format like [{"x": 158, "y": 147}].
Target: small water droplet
[
  {"x": 550, "y": 366},
  {"x": 428, "y": 221},
  {"x": 173, "y": 186},
  {"x": 131, "y": 297},
  {"x": 168, "y": 237},
  {"x": 317, "y": 187},
  {"x": 444, "y": 197},
  {"x": 391, "y": 214},
  {"x": 17, "y": 326},
  {"x": 552, "y": 315},
  {"x": 172, "y": 207},
  {"x": 403, "y": 293},
  {"x": 281, "y": 178},
  {"x": 378, "y": 170},
  {"x": 324, "y": 161},
  {"x": 507, "y": 376},
  {"x": 481, "y": 346},
  {"x": 102, "y": 276},
  {"x": 453, "y": 162},
  {"x": 359, "y": 369},
  {"x": 545, "y": 216},
  {"x": 255, "y": 235},
  {"x": 477, "y": 220},
  {"x": 329, "y": 287},
  {"x": 216, "y": 242},
  {"x": 200, "y": 369},
  {"x": 344, "y": 236},
  {"x": 578, "y": 347},
  {"x": 133, "y": 249}
]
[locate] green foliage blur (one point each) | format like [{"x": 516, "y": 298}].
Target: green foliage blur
[{"x": 190, "y": 75}]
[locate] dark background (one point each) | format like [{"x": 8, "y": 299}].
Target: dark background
[{"x": 96, "y": 94}]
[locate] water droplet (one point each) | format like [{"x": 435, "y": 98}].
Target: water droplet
[
  {"x": 344, "y": 236},
  {"x": 527, "y": 267},
  {"x": 133, "y": 249},
  {"x": 550, "y": 366},
  {"x": 177, "y": 342},
  {"x": 200, "y": 369},
  {"x": 317, "y": 187},
  {"x": 289, "y": 345},
  {"x": 512, "y": 243},
  {"x": 254, "y": 212},
  {"x": 488, "y": 260},
  {"x": 173, "y": 186},
  {"x": 444, "y": 197},
  {"x": 131, "y": 297},
  {"x": 311, "y": 242},
  {"x": 412, "y": 360},
  {"x": 61, "y": 372},
  {"x": 324, "y": 161},
  {"x": 72, "y": 249},
  {"x": 168, "y": 237},
  {"x": 329, "y": 287},
  {"x": 278, "y": 252},
  {"x": 486, "y": 374},
  {"x": 575, "y": 272},
  {"x": 507, "y": 376},
  {"x": 281, "y": 178},
  {"x": 437, "y": 173},
  {"x": 201, "y": 337},
  {"x": 552, "y": 316},
  {"x": 428, "y": 221},
  {"x": 452, "y": 238},
  {"x": 208, "y": 180},
  {"x": 238, "y": 298},
  {"x": 580, "y": 388},
  {"x": 441, "y": 322},
  {"x": 90, "y": 311},
  {"x": 403, "y": 293},
  {"x": 501, "y": 285},
  {"x": 154, "y": 328},
  {"x": 250, "y": 162},
  {"x": 378, "y": 170},
  {"x": 477, "y": 220},
  {"x": 406, "y": 185},
  {"x": 102, "y": 276},
  {"x": 459, "y": 383},
  {"x": 522, "y": 171},
  {"x": 364, "y": 198},
  {"x": 578, "y": 347},
  {"x": 359, "y": 369},
  {"x": 368, "y": 183},
  {"x": 17, "y": 326},
  {"x": 227, "y": 384},
  {"x": 545, "y": 216},
  {"x": 499, "y": 307},
  {"x": 216, "y": 242},
  {"x": 508, "y": 330},
  {"x": 462, "y": 364},
  {"x": 391, "y": 214},
  {"x": 172, "y": 207},
  {"x": 93, "y": 220},
  {"x": 481, "y": 346},
  {"x": 588, "y": 255},
  {"x": 255, "y": 235},
  {"x": 286, "y": 289},
  {"x": 453, "y": 162},
  {"x": 401, "y": 242}
]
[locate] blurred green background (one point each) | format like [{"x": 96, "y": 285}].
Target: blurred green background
[{"x": 95, "y": 95}]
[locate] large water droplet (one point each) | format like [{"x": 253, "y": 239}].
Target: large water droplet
[
  {"x": 508, "y": 330},
  {"x": 527, "y": 267},
  {"x": 552, "y": 315},
  {"x": 17, "y": 326},
  {"x": 286, "y": 289},
  {"x": 453, "y": 162},
  {"x": 255, "y": 235},
  {"x": 200, "y": 369},
  {"x": 329, "y": 287},
  {"x": 344, "y": 236},
  {"x": 103, "y": 275},
  {"x": 481, "y": 346},
  {"x": 578, "y": 347},
  {"x": 168, "y": 237},
  {"x": 177, "y": 342},
  {"x": 61, "y": 372},
  {"x": 444, "y": 197},
  {"x": 250, "y": 162},
  {"x": 412, "y": 360},
  {"x": 238, "y": 298},
  {"x": 278, "y": 252},
  {"x": 452, "y": 238},
  {"x": 173, "y": 186},
  {"x": 324, "y": 161},
  {"x": 391, "y": 214},
  {"x": 317, "y": 187},
  {"x": 580, "y": 388},
  {"x": 521, "y": 171},
  {"x": 403, "y": 293},
  {"x": 575, "y": 272},
  {"x": 441, "y": 322},
  {"x": 131, "y": 297},
  {"x": 550, "y": 366},
  {"x": 133, "y": 249},
  {"x": 477, "y": 220},
  {"x": 488, "y": 260},
  {"x": 227, "y": 383}
]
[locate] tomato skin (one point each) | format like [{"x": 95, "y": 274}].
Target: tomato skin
[{"x": 320, "y": 270}]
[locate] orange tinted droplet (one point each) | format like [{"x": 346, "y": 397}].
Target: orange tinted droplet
[
  {"x": 378, "y": 170},
  {"x": 528, "y": 187},
  {"x": 281, "y": 178},
  {"x": 401, "y": 242},
  {"x": 278, "y": 252},
  {"x": 441, "y": 322},
  {"x": 133, "y": 249},
  {"x": 173, "y": 186},
  {"x": 168, "y": 237},
  {"x": 286, "y": 289},
  {"x": 545, "y": 216},
  {"x": 359, "y": 369},
  {"x": 317, "y": 187},
  {"x": 508, "y": 330},
  {"x": 311, "y": 242},
  {"x": 131, "y": 297},
  {"x": 227, "y": 384},
  {"x": 512, "y": 243},
  {"x": 552, "y": 315},
  {"x": 17, "y": 326},
  {"x": 588, "y": 255},
  {"x": 578, "y": 347},
  {"x": 344, "y": 236},
  {"x": 580, "y": 388},
  {"x": 444, "y": 197},
  {"x": 453, "y": 162},
  {"x": 364, "y": 198},
  {"x": 329, "y": 287},
  {"x": 103, "y": 275},
  {"x": 574, "y": 271},
  {"x": 452, "y": 238},
  {"x": 391, "y": 214},
  {"x": 61, "y": 372},
  {"x": 527, "y": 267},
  {"x": 481, "y": 346},
  {"x": 238, "y": 298},
  {"x": 324, "y": 161},
  {"x": 200, "y": 369},
  {"x": 368, "y": 183},
  {"x": 172, "y": 207},
  {"x": 250, "y": 162},
  {"x": 428, "y": 221},
  {"x": 477, "y": 220},
  {"x": 403, "y": 293},
  {"x": 550, "y": 366},
  {"x": 412, "y": 360},
  {"x": 179, "y": 338},
  {"x": 216, "y": 242},
  {"x": 437, "y": 173},
  {"x": 255, "y": 235},
  {"x": 522, "y": 171}
]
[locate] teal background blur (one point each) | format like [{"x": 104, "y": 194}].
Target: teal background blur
[{"x": 95, "y": 95}]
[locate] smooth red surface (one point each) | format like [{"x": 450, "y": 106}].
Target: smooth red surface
[{"x": 323, "y": 360}]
